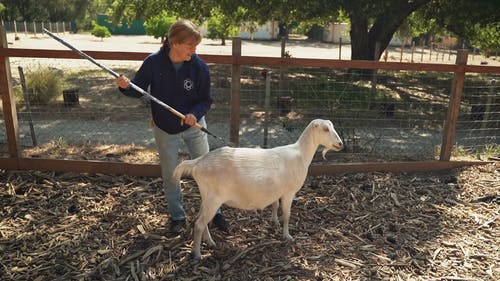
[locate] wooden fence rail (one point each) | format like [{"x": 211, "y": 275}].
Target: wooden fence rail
[{"x": 15, "y": 161}]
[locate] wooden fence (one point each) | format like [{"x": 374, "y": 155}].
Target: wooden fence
[
  {"x": 35, "y": 28},
  {"x": 15, "y": 161}
]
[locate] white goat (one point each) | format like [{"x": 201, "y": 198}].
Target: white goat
[{"x": 254, "y": 178}]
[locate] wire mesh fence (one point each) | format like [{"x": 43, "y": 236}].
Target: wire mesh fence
[
  {"x": 479, "y": 121},
  {"x": 35, "y": 28},
  {"x": 382, "y": 115}
]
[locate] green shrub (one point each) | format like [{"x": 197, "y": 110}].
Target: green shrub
[
  {"x": 159, "y": 25},
  {"x": 43, "y": 85},
  {"x": 221, "y": 26},
  {"x": 100, "y": 31}
]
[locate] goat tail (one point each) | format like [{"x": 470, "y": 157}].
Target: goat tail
[{"x": 185, "y": 168}]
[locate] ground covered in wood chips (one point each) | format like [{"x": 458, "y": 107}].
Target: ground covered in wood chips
[{"x": 373, "y": 226}]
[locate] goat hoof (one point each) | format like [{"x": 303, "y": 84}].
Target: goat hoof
[
  {"x": 289, "y": 238},
  {"x": 195, "y": 258}
]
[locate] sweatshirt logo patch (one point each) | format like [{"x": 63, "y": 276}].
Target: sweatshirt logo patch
[{"x": 188, "y": 84}]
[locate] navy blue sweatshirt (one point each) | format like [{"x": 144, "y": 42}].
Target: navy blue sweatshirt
[{"x": 187, "y": 90}]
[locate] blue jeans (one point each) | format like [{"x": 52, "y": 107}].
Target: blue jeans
[{"x": 168, "y": 149}]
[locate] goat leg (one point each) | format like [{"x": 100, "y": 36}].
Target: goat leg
[
  {"x": 274, "y": 214},
  {"x": 286, "y": 205},
  {"x": 207, "y": 212},
  {"x": 199, "y": 227},
  {"x": 207, "y": 237}
]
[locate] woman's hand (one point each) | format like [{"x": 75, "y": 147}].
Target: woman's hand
[
  {"x": 122, "y": 81},
  {"x": 189, "y": 119}
]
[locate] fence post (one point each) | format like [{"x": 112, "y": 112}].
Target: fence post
[
  {"x": 374, "y": 76},
  {"x": 283, "y": 46},
  {"x": 267, "y": 103},
  {"x": 454, "y": 106},
  {"x": 283, "y": 83},
  {"x": 234, "y": 130},
  {"x": 340, "y": 48},
  {"x": 8, "y": 102},
  {"x": 412, "y": 50},
  {"x": 422, "y": 51},
  {"x": 430, "y": 51},
  {"x": 402, "y": 50}
]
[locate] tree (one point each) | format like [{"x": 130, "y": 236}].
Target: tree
[
  {"x": 221, "y": 26},
  {"x": 487, "y": 38},
  {"x": 377, "y": 21},
  {"x": 196, "y": 10},
  {"x": 93, "y": 9},
  {"x": 224, "y": 16},
  {"x": 43, "y": 10},
  {"x": 159, "y": 25},
  {"x": 475, "y": 22},
  {"x": 100, "y": 31},
  {"x": 371, "y": 21}
]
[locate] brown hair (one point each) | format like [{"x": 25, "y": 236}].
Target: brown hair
[{"x": 182, "y": 31}]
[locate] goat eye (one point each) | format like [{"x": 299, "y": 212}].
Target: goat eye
[{"x": 325, "y": 129}]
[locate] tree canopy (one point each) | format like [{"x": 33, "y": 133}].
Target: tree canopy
[
  {"x": 371, "y": 22},
  {"x": 45, "y": 10}
]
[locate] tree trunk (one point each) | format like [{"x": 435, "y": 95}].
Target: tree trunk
[
  {"x": 359, "y": 39},
  {"x": 363, "y": 40}
]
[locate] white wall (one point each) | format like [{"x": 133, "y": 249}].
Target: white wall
[
  {"x": 267, "y": 31},
  {"x": 335, "y": 31}
]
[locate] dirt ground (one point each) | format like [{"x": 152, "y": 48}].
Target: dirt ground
[{"x": 373, "y": 226}]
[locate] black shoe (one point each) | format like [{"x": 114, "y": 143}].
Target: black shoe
[
  {"x": 220, "y": 222},
  {"x": 176, "y": 226}
]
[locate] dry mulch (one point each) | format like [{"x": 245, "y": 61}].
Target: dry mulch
[{"x": 373, "y": 226}]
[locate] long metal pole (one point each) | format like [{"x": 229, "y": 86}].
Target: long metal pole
[{"x": 135, "y": 87}]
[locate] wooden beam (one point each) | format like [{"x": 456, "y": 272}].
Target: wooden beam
[
  {"x": 346, "y": 64},
  {"x": 8, "y": 101},
  {"x": 453, "y": 107},
  {"x": 252, "y": 60},
  {"x": 153, "y": 170},
  {"x": 70, "y": 54},
  {"x": 395, "y": 167},
  {"x": 234, "y": 130},
  {"x": 9, "y": 163},
  {"x": 94, "y": 167}
]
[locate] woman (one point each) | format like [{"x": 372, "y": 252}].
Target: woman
[{"x": 179, "y": 78}]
